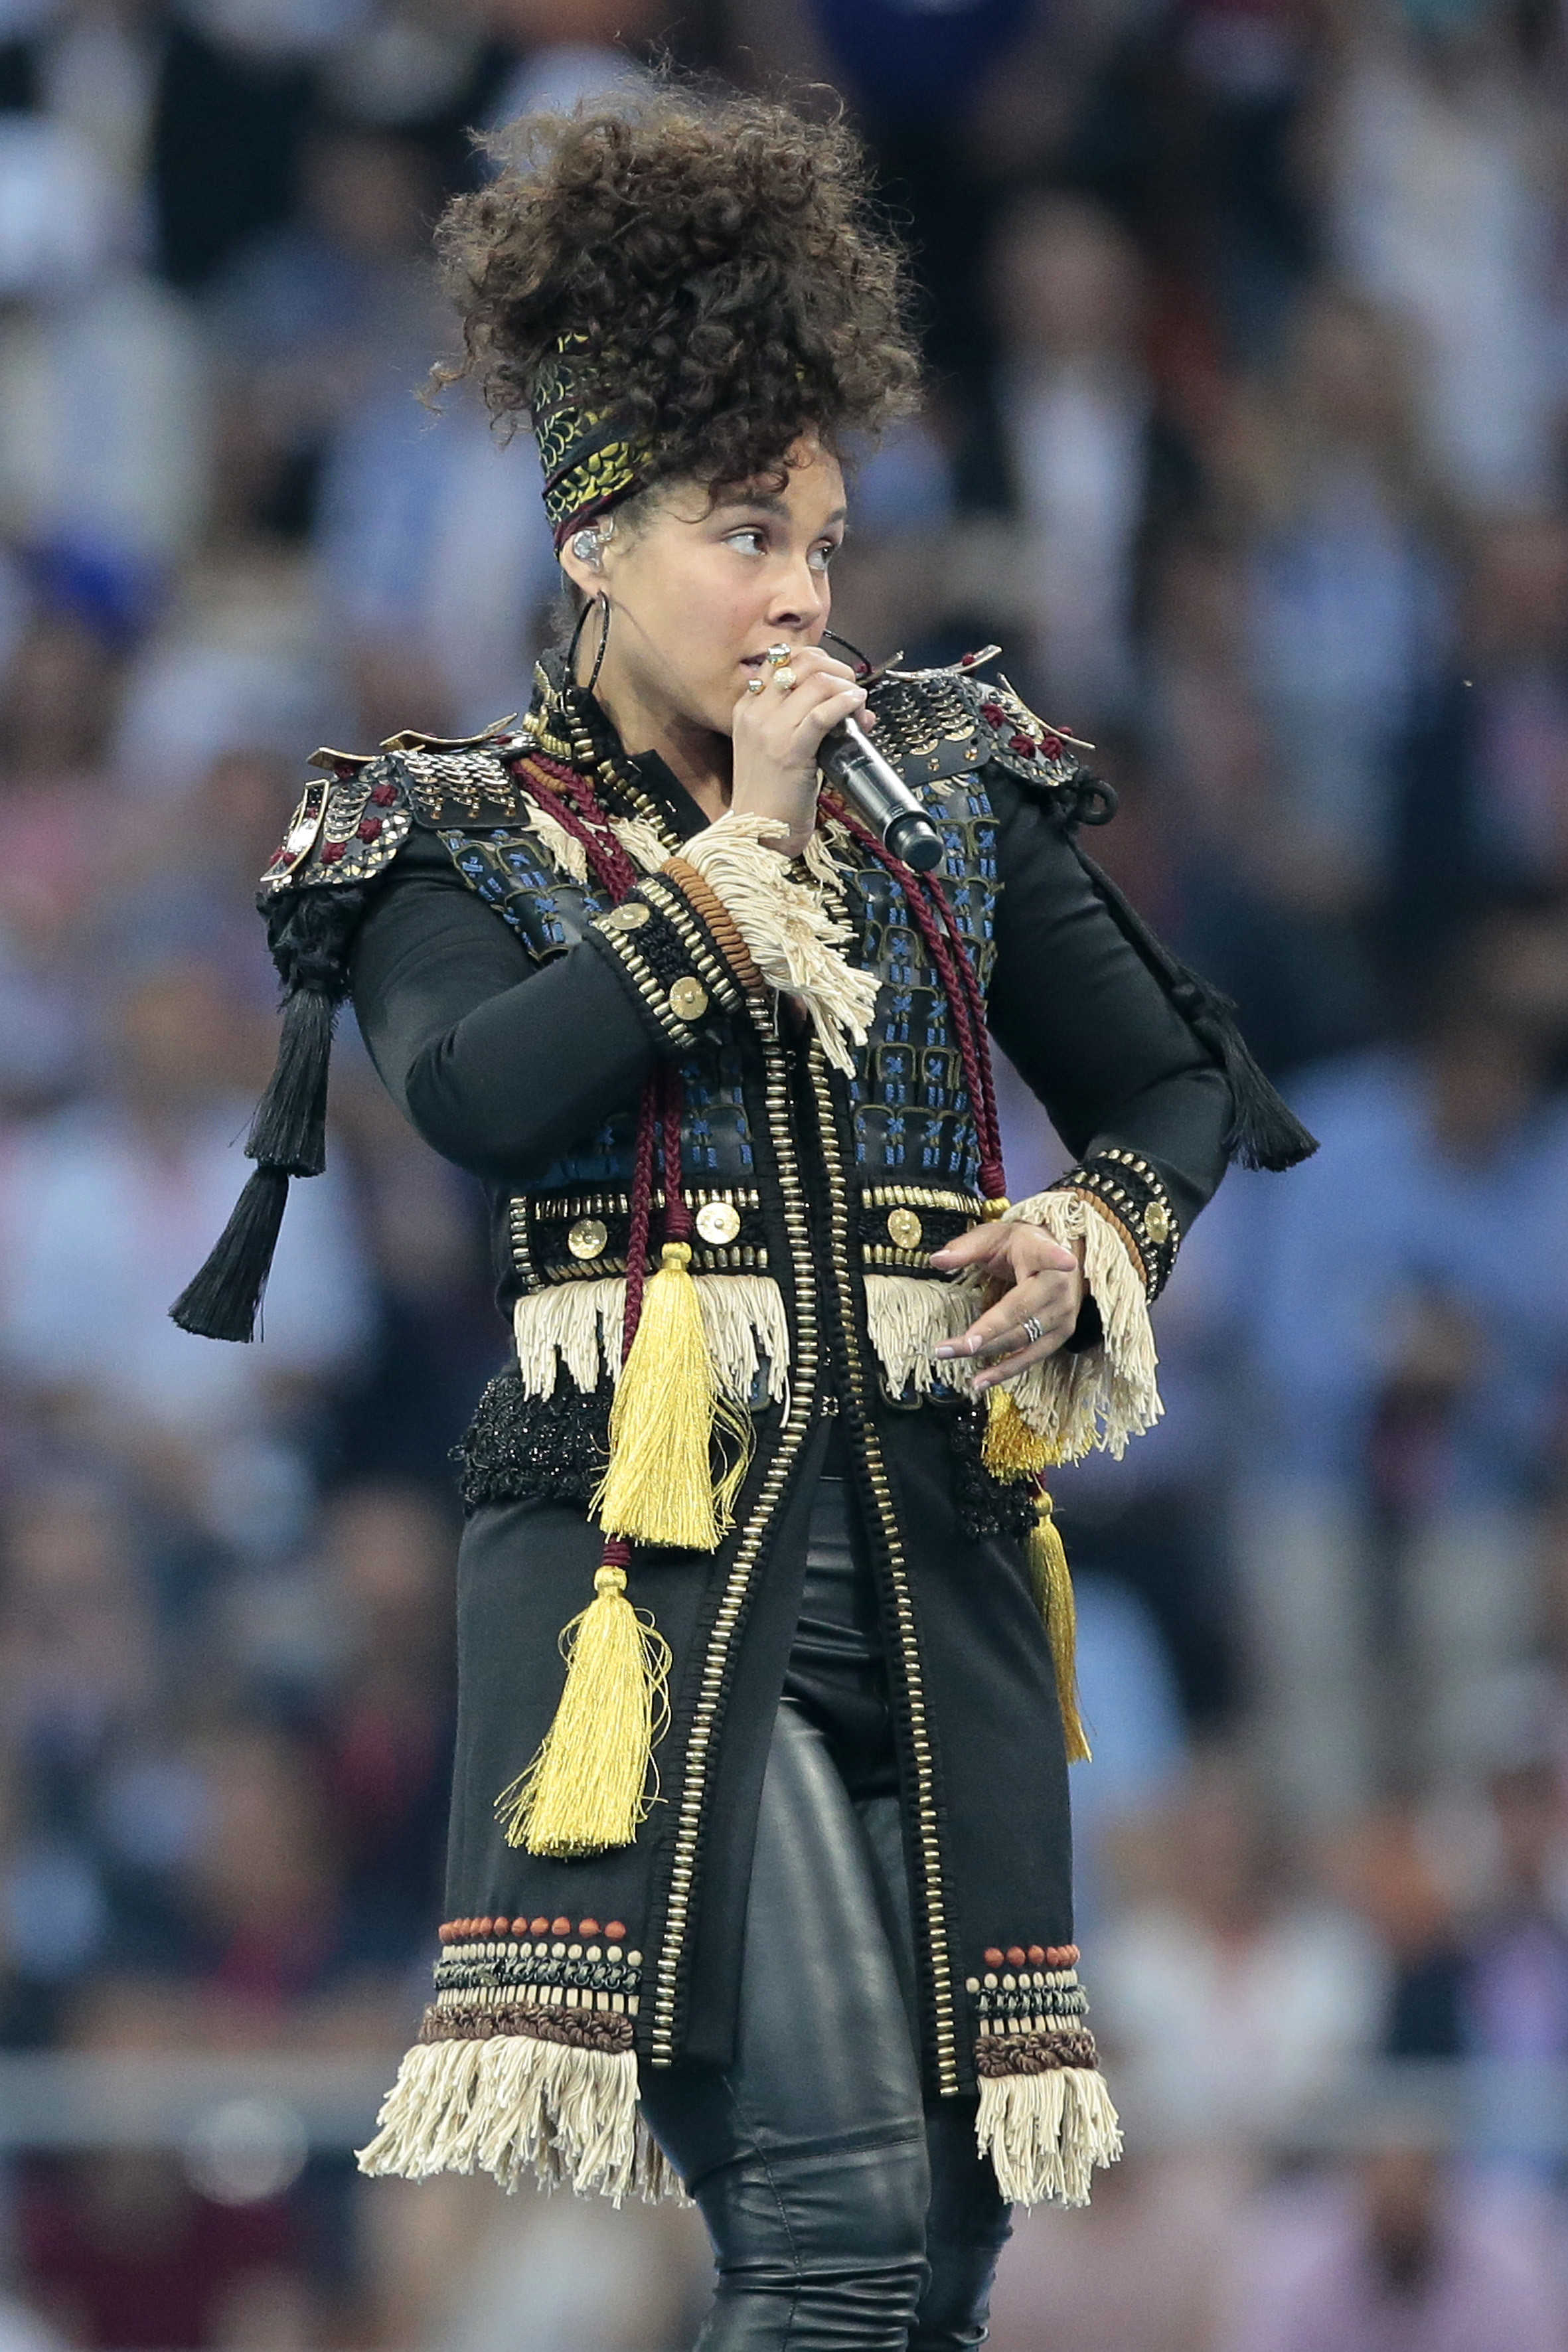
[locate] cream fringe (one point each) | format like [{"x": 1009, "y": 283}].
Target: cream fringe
[
  {"x": 906, "y": 1315},
  {"x": 512, "y": 2105},
  {"x": 788, "y": 926},
  {"x": 1108, "y": 1394},
  {"x": 636, "y": 834},
  {"x": 578, "y": 1325},
  {"x": 1046, "y": 2133}
]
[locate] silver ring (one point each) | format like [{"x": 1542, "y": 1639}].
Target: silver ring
[
  {"x": 775, "y": 654},
  {"x": 1033, "y": 1330},
  {"x": 753, "y": 685}
]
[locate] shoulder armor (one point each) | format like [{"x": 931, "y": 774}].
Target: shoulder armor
[
  {"x": 349, "y": 827},
  {"x": 937, "y": 723}
]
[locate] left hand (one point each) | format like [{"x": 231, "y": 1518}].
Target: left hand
[{"x": 1027, "y": 1273}]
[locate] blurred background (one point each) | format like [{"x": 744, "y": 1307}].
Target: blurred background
[{"x": 1248, "y": 322}]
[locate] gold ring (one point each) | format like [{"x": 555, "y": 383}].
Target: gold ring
[
  {"x": 784, "y": 678},
  {"x": 778, "y": 654},
  {"x": 753, "y": 685}
]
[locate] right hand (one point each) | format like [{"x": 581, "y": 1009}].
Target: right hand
[{"x": 777, "y": 737}]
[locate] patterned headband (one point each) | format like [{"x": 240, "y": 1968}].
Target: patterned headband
[{"x": 589, "y": 465}]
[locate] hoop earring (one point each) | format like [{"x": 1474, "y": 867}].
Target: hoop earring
[{"x": 600, "y": 604}]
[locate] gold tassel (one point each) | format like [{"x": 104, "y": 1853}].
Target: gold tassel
[
  {"x": 1052, "y": 1581},
  {"x": 587, "y": 1788},
  {"x": 658, "y": 1488},
  {"x": 1010, "y": 1448}
]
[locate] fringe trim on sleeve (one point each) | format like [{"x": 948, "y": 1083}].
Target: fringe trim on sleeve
[
  {"x": 1044, "y": 2133},
  {"x": 1109, "y": 1393},
  {"x": 511, "y": 2105},
  {"x": 787, "y": 924},
  {"x": 907, "y": 1316},
  {"x": 577, "y": 1325}
]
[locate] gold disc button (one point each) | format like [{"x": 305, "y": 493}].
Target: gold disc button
[
  {"x": 630, "y": 916},
  {"x": 904, "y": 1229},
  {"x": 688, "y": 998},
  {"x": 1157, "y": 1223},
  {"x": 587, "y": 1237},
  {"x": 718, "y": 1221}
]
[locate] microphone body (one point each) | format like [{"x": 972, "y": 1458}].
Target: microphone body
[{"x": 880, "y": 796}]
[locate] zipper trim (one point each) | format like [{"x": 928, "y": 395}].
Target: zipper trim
[
  {"x": 798, "y": 1414},
  {"x": 865, "y": 1436}
]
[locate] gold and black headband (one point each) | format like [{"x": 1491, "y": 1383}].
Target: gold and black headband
[{"x": 589, "y": 463}]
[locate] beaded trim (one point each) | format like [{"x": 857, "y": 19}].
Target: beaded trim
[
  {"x": 656, "y": 952},
  {"x": 1030, "y": 2008},
  {"x": 1129, "y": 1190},
  {"x": 580, "y": 1236},
  {"x": 544, "y": 1977}
]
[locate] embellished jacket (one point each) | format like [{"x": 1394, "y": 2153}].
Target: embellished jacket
[{"x": 829, "y": 1140}]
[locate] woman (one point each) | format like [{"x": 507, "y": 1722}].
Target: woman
[{"x": 759, "y": 1876}]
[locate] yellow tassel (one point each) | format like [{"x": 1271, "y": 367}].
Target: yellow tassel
[
  {"x": 1011, "y": 1449},
  {"x": 658, "y": 1488},
  {"x": 1053, "y": 1589},
  {"x": 588, "y": 1786}
]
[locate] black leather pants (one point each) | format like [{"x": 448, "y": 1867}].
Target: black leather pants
[{"x": 842, "y": 2214}]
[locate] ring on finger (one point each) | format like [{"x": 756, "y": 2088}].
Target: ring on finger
[
  {"x": 784, "y": 678},
  {"x": 1032, "y": 1328},
  {"x": 776, "y": 655},
  {"x": 754, "y": 684}
]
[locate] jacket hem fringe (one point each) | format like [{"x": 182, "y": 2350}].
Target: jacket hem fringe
[
  {"x": 512, "y": 2105},
  {"x": 1044, "y": 2133}
]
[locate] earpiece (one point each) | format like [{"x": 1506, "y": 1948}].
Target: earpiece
[{"x": 588, "y": 544}]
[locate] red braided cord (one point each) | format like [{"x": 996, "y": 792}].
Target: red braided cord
[
  {"x": 587, "y": 826},
  {"x": 641, "y": 1214},
  {"x": 944, "y": 944},
  {"x": 678, "y": 1225}
]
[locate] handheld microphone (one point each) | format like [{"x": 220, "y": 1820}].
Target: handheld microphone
[{"x": 879, "y": 794}]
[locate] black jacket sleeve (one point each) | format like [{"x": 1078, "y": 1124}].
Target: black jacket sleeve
[
  {"x": 501, "y": 1062},
  {"x": 1085, "y": 1021}
]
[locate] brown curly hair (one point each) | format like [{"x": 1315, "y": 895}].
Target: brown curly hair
[{"x": 721, "y": 263}]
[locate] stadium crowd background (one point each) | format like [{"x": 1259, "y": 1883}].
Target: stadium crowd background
[{"x": 1249, "y": 323}]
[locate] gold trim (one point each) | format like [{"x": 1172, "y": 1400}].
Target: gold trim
[
  {"x": 903, "y": 1603},
  {"x": 792, "y": 1437}
]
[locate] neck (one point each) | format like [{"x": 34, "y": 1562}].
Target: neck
[{"x": 646, "y": 721}]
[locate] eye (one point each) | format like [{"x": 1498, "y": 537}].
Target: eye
[
  {"x": 822, "y": 555},
  {"x": 751, "y": 531}
]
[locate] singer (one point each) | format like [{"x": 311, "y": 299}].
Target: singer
[{"x": 760, "y": 1879}]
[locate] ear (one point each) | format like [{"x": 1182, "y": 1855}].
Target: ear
[{"x": 585, "y": 575}]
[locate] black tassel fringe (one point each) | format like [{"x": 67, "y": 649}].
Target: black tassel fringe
[
  {"x": 1264, "y": 1131},
  {"x": 222, "y": 1301},
  {"x": 310, "y": 936},
  {"x": 289, "y": 1129}
]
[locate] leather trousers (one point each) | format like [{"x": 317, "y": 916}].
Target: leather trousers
[{"x": 843, "y": 2212}]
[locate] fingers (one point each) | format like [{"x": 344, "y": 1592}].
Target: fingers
[
  {"x": 1028, "y": 1323},
  {"x": 981, "y": 1244}
]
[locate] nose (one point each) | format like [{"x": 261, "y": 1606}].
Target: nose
[{"x": 800, "y": 600}]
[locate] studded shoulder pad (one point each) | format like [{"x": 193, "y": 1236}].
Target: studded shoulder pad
[
  {"x": 350, "y": 824},
  {"x": 937, "y": 723}
]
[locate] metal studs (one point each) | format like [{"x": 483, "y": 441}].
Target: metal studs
[
  {"x": 587, "y": 1237},
  {"x": 629, "y": 915},
  {"x": 688, "y": 998}
]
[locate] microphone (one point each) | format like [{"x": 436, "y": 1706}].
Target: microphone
[{"x": 879, "y": 794}]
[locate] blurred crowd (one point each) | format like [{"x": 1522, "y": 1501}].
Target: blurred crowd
[{"x": 1247, "y": 323}]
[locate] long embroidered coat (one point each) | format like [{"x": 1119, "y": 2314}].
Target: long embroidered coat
[{"x": 515, "y": 1013}]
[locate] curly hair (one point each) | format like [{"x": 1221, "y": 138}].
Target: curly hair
[{"x": 719, "y": 265}]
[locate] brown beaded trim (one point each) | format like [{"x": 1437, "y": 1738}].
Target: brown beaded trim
[
  {"x": 707, "y": 904},
  {"x": 1034, "y": 2054},
  {"x": 576, "y": 2029},
  {"x": 1129, "y": 1190},
  {"x": 708, "y": 951}
]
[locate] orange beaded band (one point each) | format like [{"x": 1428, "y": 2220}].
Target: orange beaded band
[{"x": 719, "y": 921}]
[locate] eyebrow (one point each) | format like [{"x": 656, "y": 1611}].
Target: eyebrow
[{"x": 769, "y": 503}]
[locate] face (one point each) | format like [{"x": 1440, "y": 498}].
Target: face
[{"x": 697, "y": 596}]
